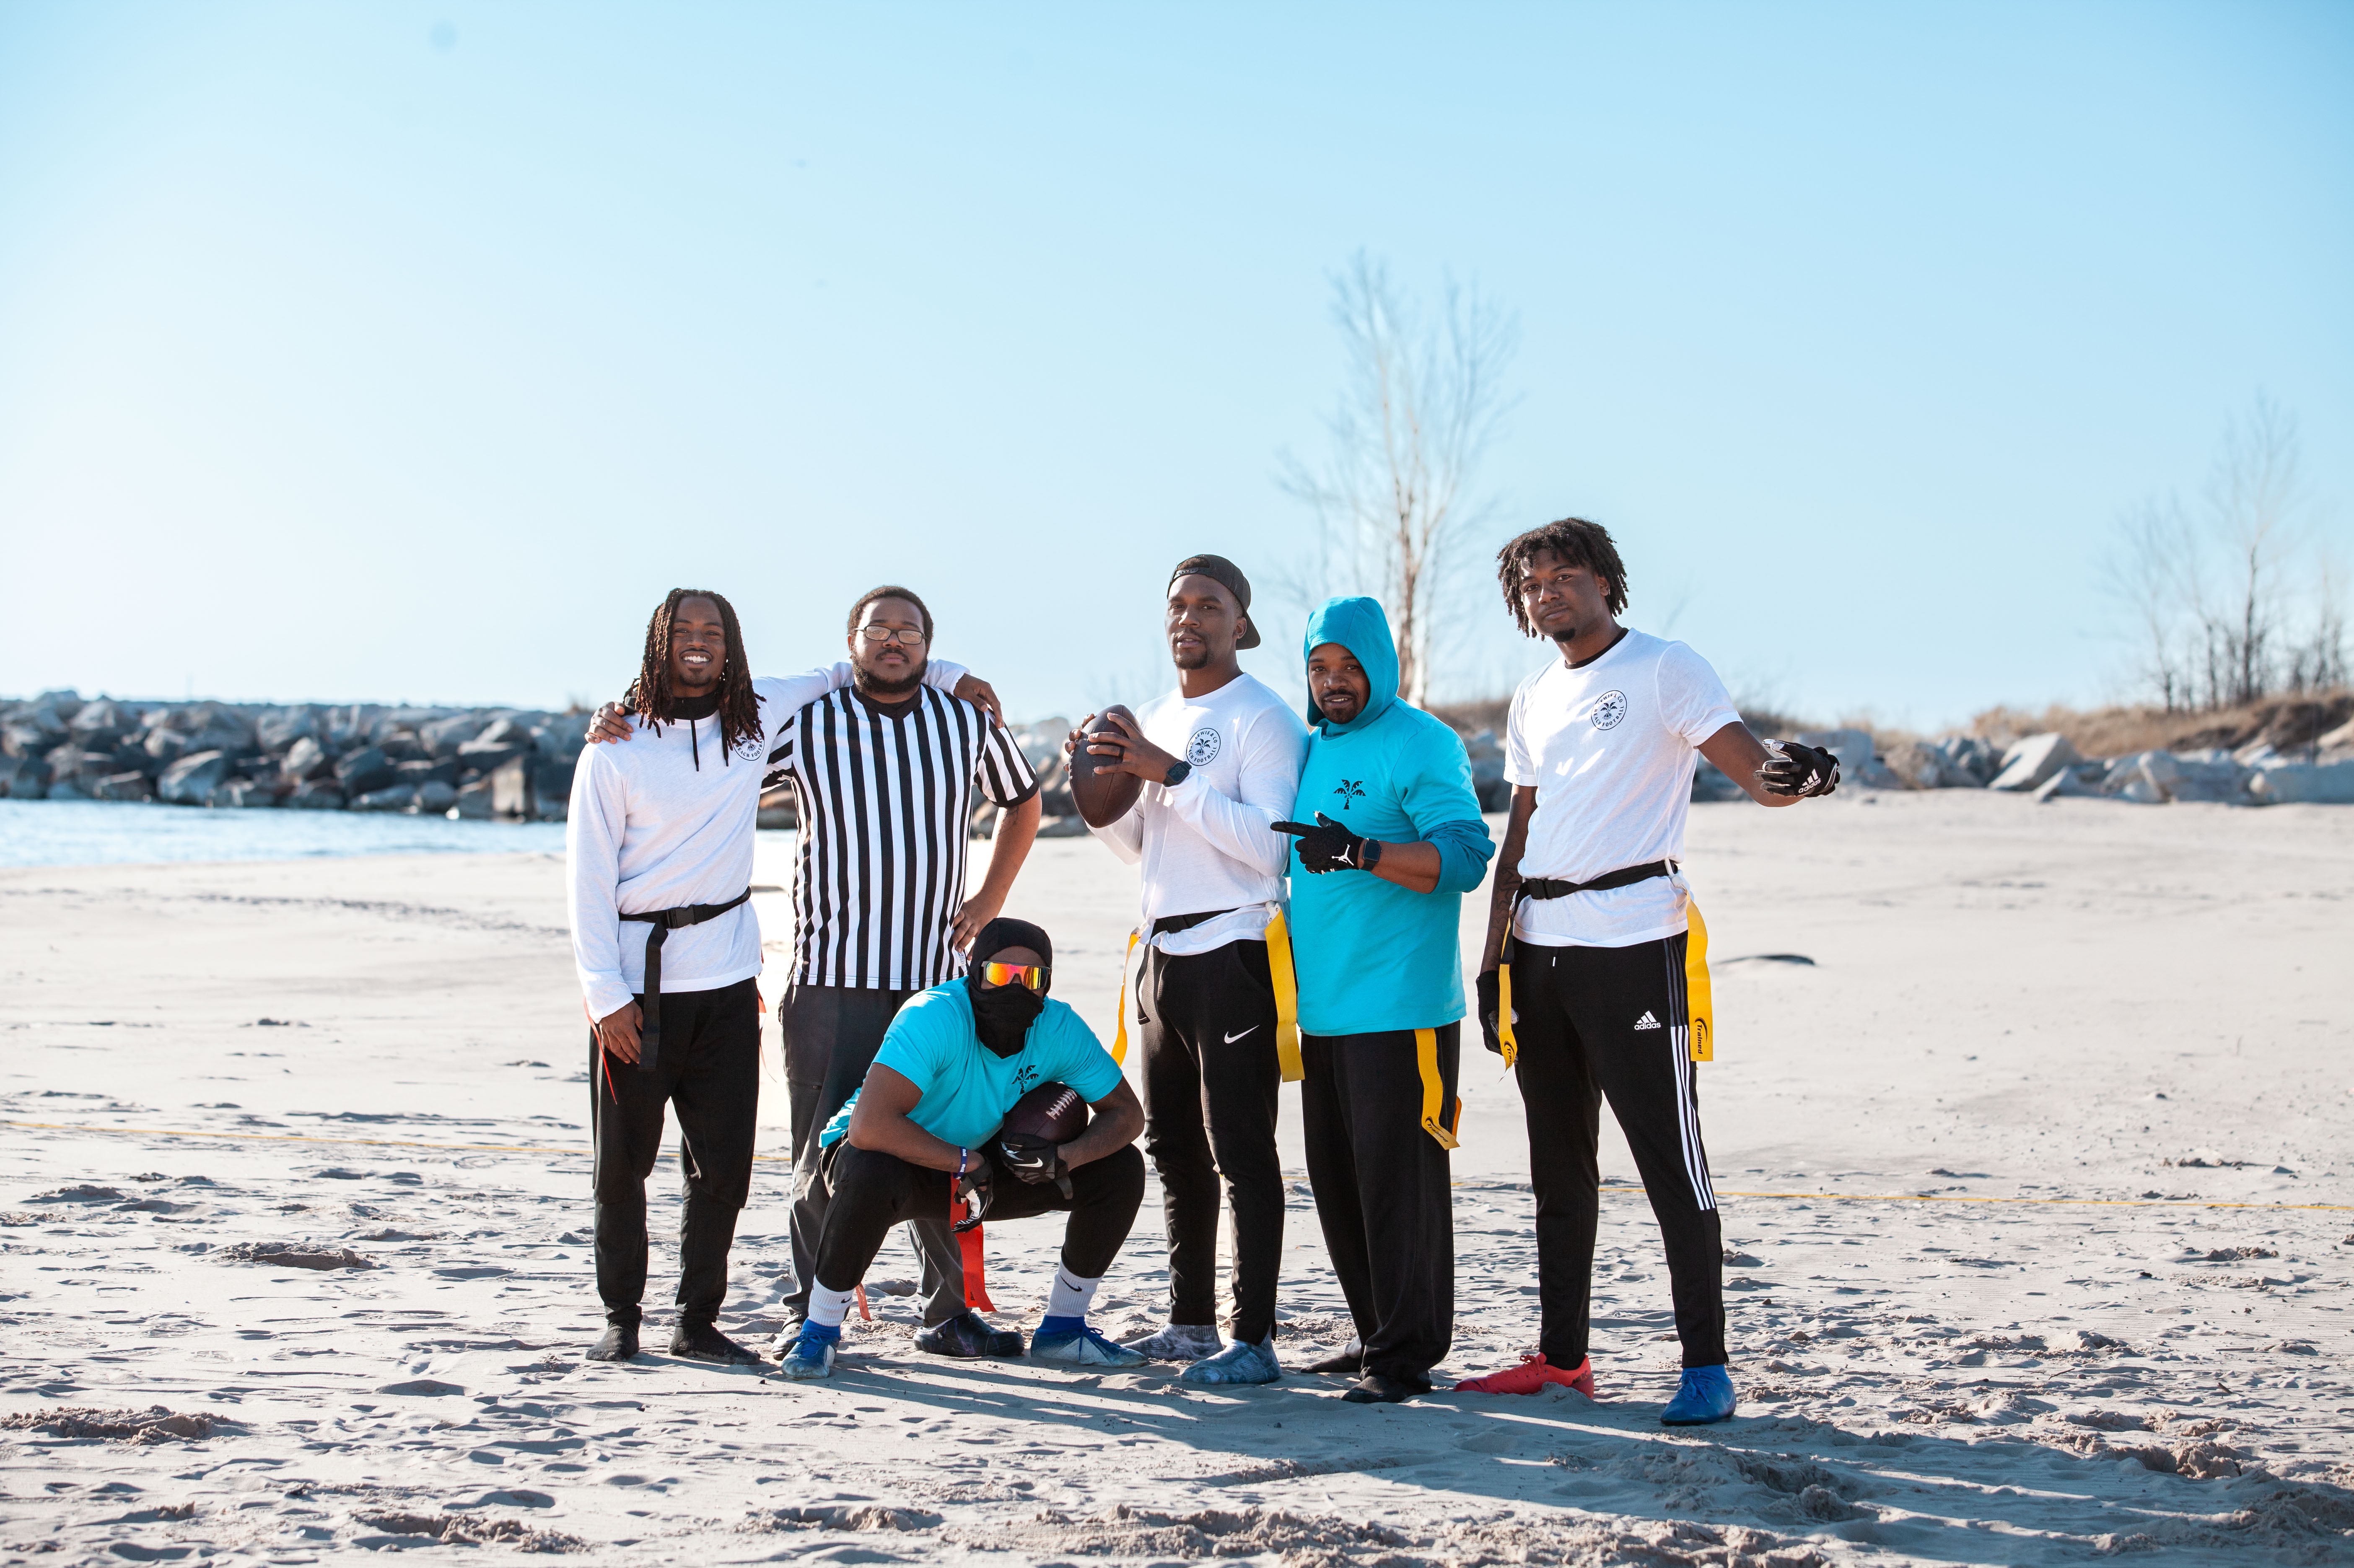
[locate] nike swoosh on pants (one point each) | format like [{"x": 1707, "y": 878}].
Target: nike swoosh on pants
[{"x": 1239, "y": 1033}]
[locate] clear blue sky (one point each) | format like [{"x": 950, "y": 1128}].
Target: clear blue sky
[{"x": 412, "y": 350}]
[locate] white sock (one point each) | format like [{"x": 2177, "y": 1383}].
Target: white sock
[
  {"x": 1071, "y": 1296},
  {"x": 829, "y": 1308}
]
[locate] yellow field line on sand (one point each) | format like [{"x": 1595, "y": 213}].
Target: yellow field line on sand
[{"x": 535, "y": 1148}]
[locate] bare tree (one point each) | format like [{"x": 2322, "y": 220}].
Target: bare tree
[
  {"x": 2251, "y": 500},
  {"x": 2209, "y": 596},
  {"x": 2144, "y": 570},
  {"x": 1422, "y": 405}
]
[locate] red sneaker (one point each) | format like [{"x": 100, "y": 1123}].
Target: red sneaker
[{"x": 1533, "y": 1374}]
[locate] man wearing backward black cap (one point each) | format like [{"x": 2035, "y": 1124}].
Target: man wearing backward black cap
[
  {"x": 926, "y": 1125},
  {"x": 1214, "y": 1005}
]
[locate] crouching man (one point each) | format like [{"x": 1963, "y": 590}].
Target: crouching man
[{"x": 925, "y": 1128}]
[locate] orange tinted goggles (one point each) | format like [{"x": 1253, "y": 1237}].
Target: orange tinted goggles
[{"x": 1031, "y": 975}]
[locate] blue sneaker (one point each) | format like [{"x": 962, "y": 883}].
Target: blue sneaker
[
  {"x": 812, "y": 1354},
  {"x": 1081, "y": 1347},
  {"x": 1237, "y": 1363},
  {"x": 1705, "y": 1395}
]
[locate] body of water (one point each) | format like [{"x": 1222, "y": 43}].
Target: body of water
[{"x": 91, "y": 833}]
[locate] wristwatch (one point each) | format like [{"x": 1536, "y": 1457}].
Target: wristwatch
[{"x": 1177, "y": 772}]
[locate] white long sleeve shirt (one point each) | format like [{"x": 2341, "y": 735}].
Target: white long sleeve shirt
[
  {"x": 1210, "y": 843},
  {"x": 664, "y": 819}
]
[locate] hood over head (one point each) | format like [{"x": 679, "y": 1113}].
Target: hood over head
[{"x": 1362, "y": 627}]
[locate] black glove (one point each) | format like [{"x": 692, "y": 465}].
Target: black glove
[
  {"x": 972, "y": 1187},
  {"x": 1491, "y": 1003},
  {"x": 1032, "y": 1160},
  {"x": 1329, "y": 846},
  {"x": 1793, "y": 769}
]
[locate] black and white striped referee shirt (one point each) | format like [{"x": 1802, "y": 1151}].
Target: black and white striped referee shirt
[{"x": 886, "y": 799}]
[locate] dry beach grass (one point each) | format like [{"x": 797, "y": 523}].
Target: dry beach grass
[{"x": 2039, "y": 1253}]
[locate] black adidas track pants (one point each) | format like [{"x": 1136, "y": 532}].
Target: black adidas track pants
[{"x": 1596, "y": 1022}]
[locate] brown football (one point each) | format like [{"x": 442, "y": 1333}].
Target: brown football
[
  {"x": 1102, "y": 798},
  {"x": 1052, "y": 1111}
]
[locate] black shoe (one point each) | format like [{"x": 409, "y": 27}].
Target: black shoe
[
  {"x": 1380, "y": 1388},
  {"x": 1349, "y": 1361},
  {"x": 967, "y": 1338},
  {"x": 619, "y": 1343},
  {"x": 705, "y": 1342}
]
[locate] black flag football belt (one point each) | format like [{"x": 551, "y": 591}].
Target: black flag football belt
[{"x": 665, "y": 921}]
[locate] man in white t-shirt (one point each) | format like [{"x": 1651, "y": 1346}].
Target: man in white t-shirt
[
  {"x": 1220, "y": 760},
  {"x": 1592, "y": 985}
]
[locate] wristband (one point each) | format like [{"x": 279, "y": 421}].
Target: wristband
[
  {"x": 1372, "y": 854},
  {"x": 1177, "y": 773}
]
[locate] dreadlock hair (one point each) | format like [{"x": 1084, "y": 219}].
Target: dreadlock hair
[
  {"x": 649, "y": 695},
  {"x": 892, "y": 590},
  {"x": 1573, "y": 540}
]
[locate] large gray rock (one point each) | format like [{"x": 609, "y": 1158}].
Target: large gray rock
[
  {"x": 560, "y": 738},
  {"x": 67, "y": 790},
  {"x": 484, "y": 756},
  {"x": 442, "y": 737},
  {"x": 243, "y": 794},
  {"x": 164, "y": 745},
  {"x": 215, "y": 727},
  {"x": 2313, "y": 783},
  {"x": 191, "y": 780},
  {"x": 436, "y": 796},
  {"x": 2208, "y": 776},
  {"x": 101, "y": 722},
  {"x": 306, "y": 759},
  {"x": 29, "y": 780},
  {"x": 398, "y": 798},
  {"x": 511, "y": 788},
  {"x": 280, "y": 728},
  {"x": 64, "y": 702},
  {"x": 128, "y": 788},
  {"x": 2028, "y": 763},
  {"x": 318, "y": 795},
  {"x": 23, "y": 738},
  {"x": 473, "y": 802},
  {"x": 364, "y": 772},
  {"x": 423, "y": 773}
]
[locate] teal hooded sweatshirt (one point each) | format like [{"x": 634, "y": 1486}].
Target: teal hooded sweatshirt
[{"x": 1371, "y": 956}]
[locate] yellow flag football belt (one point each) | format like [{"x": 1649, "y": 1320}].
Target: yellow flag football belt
[
  {"x": 1287, "y": 998},
  {"x": 1700, "y": 1001}
]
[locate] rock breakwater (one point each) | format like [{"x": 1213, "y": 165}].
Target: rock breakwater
[{"x": 510, "y": 763}]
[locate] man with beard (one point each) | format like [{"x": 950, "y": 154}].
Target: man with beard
[
  {"x": 1594, "y": 980},
  {"x": 926, "y": 1126},
  {"x": 658, "y": 853},
  {"x": 886, "y": 774},
  {"x": 1220, "y": 761},
  {"x": 1376, "y": 898}
]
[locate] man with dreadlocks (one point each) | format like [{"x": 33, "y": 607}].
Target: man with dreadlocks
[
  {"x": 660, "y": 850},
  {"x": 1595, "y": 981}
]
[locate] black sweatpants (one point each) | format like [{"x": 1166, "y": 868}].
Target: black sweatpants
[
  {"x": 1382, "y": 1189},
  {"x": 709, "y": 1071},
  {"x": 1206, "y": 1027},
  {"x": 1610, "y": 1021},
  {"x": 830, "y": 1035},
  {"x": 870, "y": 1191}
]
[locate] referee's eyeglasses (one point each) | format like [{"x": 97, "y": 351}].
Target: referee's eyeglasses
[
  {"x": 902, "y": 636},
  {"x": 997, "y": 974}
]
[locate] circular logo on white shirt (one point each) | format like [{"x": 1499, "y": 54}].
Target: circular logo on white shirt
[
  {"x": 1609, "y": 709},
  {"x": 1202, "y": 750}
]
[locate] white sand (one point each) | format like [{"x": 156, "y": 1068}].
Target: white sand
[{"x": 2008, "y": 1003}]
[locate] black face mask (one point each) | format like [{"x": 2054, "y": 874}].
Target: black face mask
[{"x": 1002, "y": 1014}]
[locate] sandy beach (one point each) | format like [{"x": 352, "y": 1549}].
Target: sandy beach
[{"x": 2038, "y": 1188}]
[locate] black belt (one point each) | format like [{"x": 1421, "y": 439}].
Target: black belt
[
  {"x": 1183, "y": 922},
  {"x": 1625, "y": 876},
  {"x": 665, "y": 921}
]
